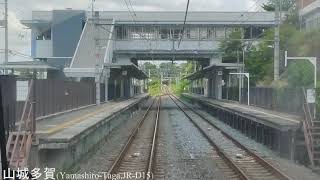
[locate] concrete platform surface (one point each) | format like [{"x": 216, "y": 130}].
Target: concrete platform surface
[
  {"x": 274, "y": 119},
  {"x": 61, "y": 130}
]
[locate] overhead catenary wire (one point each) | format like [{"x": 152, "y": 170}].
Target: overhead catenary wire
[
  {"x": 184, "y": 23},
  {"x": 247, "y": 11},
  {"x": 133, "y": 16},
  {"x": 134, "y": 13},
  {"x": 14, "y": 53},
  {"x": 256, "y": 13},
  {"x": 129, "y": 10},
  {"x": 255, "y": 5}
]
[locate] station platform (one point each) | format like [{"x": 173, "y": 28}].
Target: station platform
[
  {"x": 61, "y": 130},
  {"x": 71, "y": 135},
  {"x": 280, "y": 132},
  {"x": 277, "y": 120}
]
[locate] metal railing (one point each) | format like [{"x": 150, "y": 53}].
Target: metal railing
[
  {"x": 19, "y": 141},
  {"x": 307, "y": 126}
]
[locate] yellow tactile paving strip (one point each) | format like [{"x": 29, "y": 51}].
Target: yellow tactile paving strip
[
  {"x": 110, "y": 106},
  {"x": 72, "y": 122}
]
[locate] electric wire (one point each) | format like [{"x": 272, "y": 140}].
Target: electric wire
[{"x": 184, "y": 23}]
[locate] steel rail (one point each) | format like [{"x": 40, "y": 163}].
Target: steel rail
[
  {"x": 125, "y": 148},
  {"x": 154, "y": 141},
  {"x": 219, "y": 150},
  {"x": 116, "y": 164},
  {"x": 276, "y": 172}
]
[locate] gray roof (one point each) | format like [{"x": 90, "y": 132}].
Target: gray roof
[
  {"x": 174, "y": 17},
  {"x": 34, "y": 65},
  {"x": 310, "y": 8},
  {"x": 132, "y": 69},
  {"x": 201, "y": 73},
  {"x": 194, "y": 17}
]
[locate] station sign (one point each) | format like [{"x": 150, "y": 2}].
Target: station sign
[
  {"x": 311, "y": 96},
  {"x": 22, "y": 90}
]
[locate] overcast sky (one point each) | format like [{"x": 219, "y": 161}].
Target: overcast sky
[{"x": 19, "y": 36}]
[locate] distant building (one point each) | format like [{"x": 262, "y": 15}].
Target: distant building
[
  {"x": 303, "y": 3},
  {"x": 105, "y": 46},
  {"x": 309, "y": 11},
  {"x": 62, "y": 39},
  {"x": 55, "y": 35}
]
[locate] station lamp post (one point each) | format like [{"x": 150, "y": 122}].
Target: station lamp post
[
  {"x": 313, "y": 61},
  {"x": 247, "y": 76}
]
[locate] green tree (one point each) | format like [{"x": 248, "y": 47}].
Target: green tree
[
  {"x": 154, "y": 88},
  {"x": 298, "y": 43},
  {"x": 259, "y": 60},
  {"x": 231, "y": 48},
  {"x": 258, "y": 57},
  {"x": 300, "y": 73},
  {"x": 187, "y": 68},
  {"x": 286, "y": 5},
  {"x": 153, "y": 69}
]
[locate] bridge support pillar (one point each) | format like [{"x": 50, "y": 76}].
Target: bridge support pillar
[{"x": 215, "y": 59}]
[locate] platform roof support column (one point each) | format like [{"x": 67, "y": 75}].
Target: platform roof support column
[
  {"x": 141, "y": 86},
  {"x": 218, "y": 85},
  {"x": 97, "y": 92},
  {"x": 97, "y": 81},
  {"x": 131, "y": 87},
  {"x": 115, "y": 89},
  {"x": 144, "y": 85},
  {"x": 293, "y": 144},
  {"x": 206, "y": 87},
  {"x": 106, "y": 89},
  {"x": 106, "y": 74},
  {"x": 121, "y": 88}
]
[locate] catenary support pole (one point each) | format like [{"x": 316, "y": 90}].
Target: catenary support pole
[
  {"x": 4, "y": 162},
  {"x": 277, "y": 42},
  {"x": 6, "y": 31}
]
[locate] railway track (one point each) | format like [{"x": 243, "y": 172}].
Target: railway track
[
  {"x": 136, "y": 159},
  {"x": 235, "y": 160}
]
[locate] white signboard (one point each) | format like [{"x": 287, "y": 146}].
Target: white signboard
[
  {"x": 311, "y": 96},
  {"x": 22, "y": 90}
]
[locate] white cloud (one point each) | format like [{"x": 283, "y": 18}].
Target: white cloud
[{"x": 19, "y": 38}]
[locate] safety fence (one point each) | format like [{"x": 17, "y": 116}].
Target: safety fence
[
  {"x": 197, "y": 90},
  {"x": 53, "y": 96},
  {"x": 8, "y": 91},
  {"x": 50, "y": 97},
  {"x": 288, "y": 100}
]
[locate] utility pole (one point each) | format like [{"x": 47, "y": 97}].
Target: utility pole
[
  {"x": 6, "y": 50},
  {"x": 4, "y": 162},
  {"x": 240, "y": 77},
  {"x": 277, "y": 41},
  {"x": 92, "y": 7}
]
